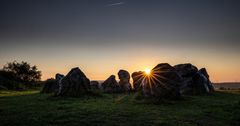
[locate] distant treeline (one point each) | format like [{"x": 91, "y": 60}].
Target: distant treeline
[
  {"x": 19, "y": 75},
  {"x": 227, "y": 85}
]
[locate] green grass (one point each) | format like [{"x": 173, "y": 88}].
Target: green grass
[{"x": 35, "y": 109}]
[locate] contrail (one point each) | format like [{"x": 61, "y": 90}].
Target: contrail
[{"x": 116, "y": 4}]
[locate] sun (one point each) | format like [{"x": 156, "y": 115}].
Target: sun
[{"x": 147, "y": 71}]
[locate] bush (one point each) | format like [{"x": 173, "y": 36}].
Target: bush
[
  {"x": 222, "y": 88},
  {"x": 23, "y": 72},
  {"x": 8, "y": 81},
  {"x": 16, "y": 75}
]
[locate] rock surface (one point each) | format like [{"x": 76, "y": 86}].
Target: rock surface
[
  {"x": 124, "y": 82},
  {"x": 75, "y": 83},
  {"x": 165, "y": 81},
  {"x": 206, "y": 81},
  {"x": 186, "y": 71},
  {"x": 50, "y": 86},
  {"x": 195, "y": 81},
  {"x": 162, "y": 82},
  {"x": 110, "y": 85},
  {"x": 58, "y": 78},
  {"x": 137, "y": 80}
]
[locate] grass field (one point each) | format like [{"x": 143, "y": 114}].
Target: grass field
[{"x": 35, "y": 109}]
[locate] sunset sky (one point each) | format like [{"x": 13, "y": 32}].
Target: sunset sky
[{"x": 103, "y": 36}]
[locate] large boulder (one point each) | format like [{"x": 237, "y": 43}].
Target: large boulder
[
  {"x": 110, "y": 85},
  {"x": 58, "y": 78},
  {"x": 162, "y": 82},
  {"x": 195, "y": 81},
  {"x": 207, "y": 83},
  {"x": 137, "y": 79},
  {"x": 75, "y": 83},
  {"x": 165, "y": 81},
  {"x": 50, "y": 86},
  {"x": 186, "y": 71},
  {"x": 200, "y": 84},
  {"x": 124, "y": 82}
]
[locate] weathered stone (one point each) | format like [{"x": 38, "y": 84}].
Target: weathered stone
[
  {"x": 195, "y": 82},
  {"x": 124, "y": 83},
  {"x": 165, "y": 81},
  {"x": 137, "y": 80},
  {"x": 162, "y": 82},
  {"x": 50, "y": 86},
  {"x": 58, "y": 78},
  {"x": 75, "y": 83},
  {"x": 200, "y": 84},
  {"x": 110, "y": 85},
  {"x": 209, "y": 84},
  {"x": 186, "y": 71}
]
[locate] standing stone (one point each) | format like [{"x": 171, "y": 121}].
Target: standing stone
[
  {"x": 137, "y": 80},
  {"x": 124, "y": 82},
  {"x": 110, "y": 85},
  {"x": 58, "y": 78},
  {"x": 207, "y": 81},
  {"x": 187, "y": 72},
  {"x": 50, "y": 86},
  {"x": 163, "y": 82},
  {"x": 195, "y": 81},
  {"x": 75, "y": 83},
  {"x": 199, "y": 84}
]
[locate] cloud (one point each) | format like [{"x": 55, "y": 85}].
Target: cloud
[{"x": 116, "y": 4}]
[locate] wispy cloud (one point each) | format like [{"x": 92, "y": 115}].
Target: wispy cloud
[{"x": 116, "y": 4}]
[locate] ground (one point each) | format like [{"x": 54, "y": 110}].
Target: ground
[{"x": 34, "y": 109}]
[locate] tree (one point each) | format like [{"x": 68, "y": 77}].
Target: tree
[{"x": 23, "y": 71}]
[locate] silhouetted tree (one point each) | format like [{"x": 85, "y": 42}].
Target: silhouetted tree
[{"x": 23, "y": 71}]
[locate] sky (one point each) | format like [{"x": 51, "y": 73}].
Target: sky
[{"x": 103, "y": 36}]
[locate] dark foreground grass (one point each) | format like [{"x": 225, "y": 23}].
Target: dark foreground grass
[{"x": 30, "y": 108}]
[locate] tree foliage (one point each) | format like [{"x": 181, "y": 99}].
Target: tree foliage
[{"x": 23, "y": 71}]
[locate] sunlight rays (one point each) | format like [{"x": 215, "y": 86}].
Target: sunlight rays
[{"x": 151, "y": 79}]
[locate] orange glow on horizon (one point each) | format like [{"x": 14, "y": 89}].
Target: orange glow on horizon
[
  {"x": 215, "y": 75},
  {"x": 219, "y": 70}
]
